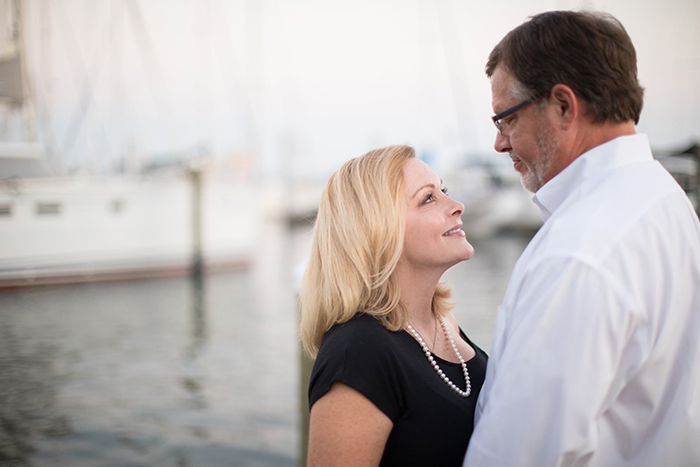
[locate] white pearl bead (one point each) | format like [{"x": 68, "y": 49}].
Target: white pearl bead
[{"x": 437, "y": 368}]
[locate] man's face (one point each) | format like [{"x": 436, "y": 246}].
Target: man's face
[{"x": 527, "y": 134}]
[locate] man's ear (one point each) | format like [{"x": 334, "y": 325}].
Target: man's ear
[{"x": 567, "y": 105}]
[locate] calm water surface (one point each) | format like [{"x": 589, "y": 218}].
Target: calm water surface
[{"x": 175, "y": 372}]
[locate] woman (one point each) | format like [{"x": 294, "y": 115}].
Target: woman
[{"x": 390, "y": 385}]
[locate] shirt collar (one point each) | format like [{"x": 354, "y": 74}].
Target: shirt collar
[{"x": 617, "y": 152}]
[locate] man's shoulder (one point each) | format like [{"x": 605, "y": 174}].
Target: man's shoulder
[{"x": 610, "y": 210}]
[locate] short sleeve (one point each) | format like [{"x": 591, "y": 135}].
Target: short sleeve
[{"x": 361, "y": 355}]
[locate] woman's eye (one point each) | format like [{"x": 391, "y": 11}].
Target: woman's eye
[
  {"x": 428, "y": 198},
  {"x": 444, "y": 190}
]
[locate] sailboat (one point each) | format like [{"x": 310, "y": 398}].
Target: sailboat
[{"x": 58, "y": 229}]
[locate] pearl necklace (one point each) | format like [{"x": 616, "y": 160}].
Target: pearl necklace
[{"x": 432, "y": 361}]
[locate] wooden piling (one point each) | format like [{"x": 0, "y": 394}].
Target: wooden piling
[
  {"x": 306, "y": 365},
  {"x": 196, "y": 180}
]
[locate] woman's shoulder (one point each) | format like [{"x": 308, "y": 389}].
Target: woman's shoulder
[
  {"x": 361, "y": 331},
  {"x": 360, "y": 323}
]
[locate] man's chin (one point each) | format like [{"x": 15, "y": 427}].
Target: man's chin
[{"x": 530, "y": 182}]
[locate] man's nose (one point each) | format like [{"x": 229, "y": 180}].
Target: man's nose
[{"x": 502, "y": 143}]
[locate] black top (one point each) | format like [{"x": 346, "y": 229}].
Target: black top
[{"x": 432, "y": 423}]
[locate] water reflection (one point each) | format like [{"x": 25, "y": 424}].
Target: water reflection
[
  {"x": 28, "y": 397},
  {"x": 199, "y": 325},
  {"x": 162, "y": 372},
  {"x": 181, "y": 371},
  {"x": 195, "y": 398}
]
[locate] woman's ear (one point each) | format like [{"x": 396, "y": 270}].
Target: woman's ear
[{"x": 567, "y": 105}]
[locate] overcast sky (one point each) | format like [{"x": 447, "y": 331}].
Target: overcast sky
[{"x": 307, "y": 84}]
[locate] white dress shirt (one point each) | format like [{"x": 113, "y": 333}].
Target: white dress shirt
[{"x": 596, "y": 359}]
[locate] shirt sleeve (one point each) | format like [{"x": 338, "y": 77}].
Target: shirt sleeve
[
  {"x": 359, "y": 355},
  {"x": 571, "y": 331}
]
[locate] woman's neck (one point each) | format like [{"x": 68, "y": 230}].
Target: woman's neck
[{"x": 417, "y": 291}]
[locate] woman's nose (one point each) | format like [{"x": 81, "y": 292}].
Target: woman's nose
[{"x": 458, "y": 208}]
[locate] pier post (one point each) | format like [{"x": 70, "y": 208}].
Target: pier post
[
  {"x": 306, "y": 366},
  {"x": 196, "y": 180}
]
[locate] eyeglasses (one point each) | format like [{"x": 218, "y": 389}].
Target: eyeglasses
[{"x": 501, "y": 115}]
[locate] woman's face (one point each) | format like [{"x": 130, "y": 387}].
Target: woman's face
[{"x": 434, "y": 238}]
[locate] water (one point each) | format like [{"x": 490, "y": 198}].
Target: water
[{"x": 175, "y": 372}]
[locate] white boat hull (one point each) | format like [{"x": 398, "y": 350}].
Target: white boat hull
[{"x": 63, "y": 229}]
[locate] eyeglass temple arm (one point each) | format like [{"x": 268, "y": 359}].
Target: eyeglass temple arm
[{"x": 514, "y": 109}]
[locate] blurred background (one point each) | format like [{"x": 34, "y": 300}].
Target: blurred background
[{"x": 160, "y": 166}]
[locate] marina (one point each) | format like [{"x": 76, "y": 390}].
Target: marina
[
  {"x": 160, "y": 168},
  {"x": 178, "y": 371}
]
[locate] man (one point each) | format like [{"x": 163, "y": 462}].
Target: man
[{"x": 595, "y": 358}]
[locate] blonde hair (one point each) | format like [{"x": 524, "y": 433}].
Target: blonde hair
[{"x": 357, "y": 243}]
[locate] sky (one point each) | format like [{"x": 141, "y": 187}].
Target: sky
[{"x": 296, "y": 87}]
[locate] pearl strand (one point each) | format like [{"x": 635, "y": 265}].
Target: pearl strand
[{"x": 437, "y": 368}]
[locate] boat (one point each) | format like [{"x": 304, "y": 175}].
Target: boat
[
  {"x": 684, "y": 165},
  {"x": 82, "y": 228},
  {"x": 186, "y": 215}
]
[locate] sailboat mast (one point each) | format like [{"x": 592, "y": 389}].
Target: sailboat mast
[{"x": 26, "y": 104}]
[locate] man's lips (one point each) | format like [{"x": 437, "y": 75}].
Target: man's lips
[{"x": 517, "y": 162}]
